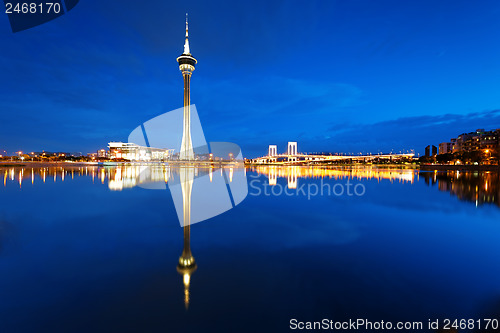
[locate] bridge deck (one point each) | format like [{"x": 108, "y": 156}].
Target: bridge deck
[{"x": 286, "y": 159}]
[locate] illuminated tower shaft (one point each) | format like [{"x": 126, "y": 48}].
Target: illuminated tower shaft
[
  {"x": 187, "y": 144},
  {"x": 186, "y": 66}
]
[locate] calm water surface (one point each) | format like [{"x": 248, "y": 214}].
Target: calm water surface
[{"x": 87, "y": 249}]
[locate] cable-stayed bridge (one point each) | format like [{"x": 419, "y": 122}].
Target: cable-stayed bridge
[{"x": 293, "y": 157}]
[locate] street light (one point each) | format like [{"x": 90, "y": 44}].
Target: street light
[{"x": 487, "y": 151}]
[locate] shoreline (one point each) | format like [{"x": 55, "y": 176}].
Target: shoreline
[
  {"x": 422, "y": 167},
  {"x": 111, "y": 164}
]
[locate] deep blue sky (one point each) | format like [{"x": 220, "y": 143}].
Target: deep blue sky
[{"x": 349, "y": 76}]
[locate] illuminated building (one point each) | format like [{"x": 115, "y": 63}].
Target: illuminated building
[
  {"x": 473, "y": 141},
  {"x": 135, "y": 153},
  {"x": 186, "y": 66},
  {"x": 102, "y": 153}
]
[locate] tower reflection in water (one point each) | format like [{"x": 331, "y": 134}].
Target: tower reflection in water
[
  {"x": 199, "y": 192},
  {"x": 186, "y": 265}
]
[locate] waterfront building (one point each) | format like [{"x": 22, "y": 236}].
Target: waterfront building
[
  {"x": 445, "y": 148},
  {"x": 490, "y": 140},
  {"x": 135, "y": 153},
  {"x": 102, "y": 153},
  {"x": 459, "y": 142},
  {"x": 473, "y": 141}
]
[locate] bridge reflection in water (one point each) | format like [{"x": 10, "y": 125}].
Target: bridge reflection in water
[{"x": 293, "y": 173}]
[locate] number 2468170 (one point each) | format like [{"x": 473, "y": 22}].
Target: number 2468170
[{"x": 33, "y": 8}]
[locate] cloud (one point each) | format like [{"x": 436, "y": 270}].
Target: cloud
[
  {"x": 407, "y": 132},
  {"x": 402, "y": 134}
]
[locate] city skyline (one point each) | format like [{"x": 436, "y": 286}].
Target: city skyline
[{"x": 393, "y": 76}]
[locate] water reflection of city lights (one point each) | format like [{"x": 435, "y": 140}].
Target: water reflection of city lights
[
  {"x": 117, "y": 177},
  {"x": 477, "y": 187},
  {"x": 293, "y": 173}
]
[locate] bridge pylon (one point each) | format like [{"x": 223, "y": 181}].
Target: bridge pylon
[
  {"x": 292, "y": 148},
  {"x": 273, "y": 150}
]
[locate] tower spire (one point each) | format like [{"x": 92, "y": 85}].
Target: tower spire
[{"x": 186, "y": 43}]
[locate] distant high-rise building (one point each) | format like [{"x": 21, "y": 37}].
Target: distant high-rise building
[
  {"x": 431, "y": 150},
  {"x": 434, "y": 150},
  {"x": 445, "y": 148}
]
